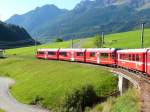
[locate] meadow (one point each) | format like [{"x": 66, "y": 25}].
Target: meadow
[
  {"x": 131, "y": 39},
  {"x": 48, "y": 83}
]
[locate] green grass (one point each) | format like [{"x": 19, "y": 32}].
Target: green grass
[
  {"x": 122, "y": 40},
  {"x": 51, "y": 80},
  {"x": 128, "y": 102},
  {"x": 1, "y": 110},
  {"x": 30, "y": 51},
  {"x": 89, "y": 43}
]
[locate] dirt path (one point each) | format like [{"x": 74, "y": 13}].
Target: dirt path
[{"x": 8, "y": 103}]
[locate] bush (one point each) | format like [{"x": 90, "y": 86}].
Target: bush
[
  {"x": 80, "y": 99},
  {"x": 58, "y": 40},
  {"x": 37, "y": 100}
]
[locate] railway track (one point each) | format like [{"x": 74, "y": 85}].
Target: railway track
[{"x": 142, "y": 80}]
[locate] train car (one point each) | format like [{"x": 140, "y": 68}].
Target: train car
[
  {"x": 108, "y": 56},
  {"x": 133, "y": 59},
  {"x": 52, "y": 54},
  {"x": 41, "y": 54},
  {"x": 92, "y": 55},
  {"x": 79, "y": 55},
  {"x": 66, "y": 54},
  {"x": 104, "y": 56}
]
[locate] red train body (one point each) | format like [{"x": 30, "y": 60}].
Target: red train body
[
  {"x": 133, "y": 59},
  {"x": 48, "y": 54},
  {"x": 104, "y": 56}
]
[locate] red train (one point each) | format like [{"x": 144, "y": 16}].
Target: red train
[{"x": 132, "y": 59}]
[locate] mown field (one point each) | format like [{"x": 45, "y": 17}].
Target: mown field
[
  {"x": 49, "y": 83},
  {"x": 130, "y": 39}
]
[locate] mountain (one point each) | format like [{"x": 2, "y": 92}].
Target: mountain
[
  {"x": 34, "y": 20},
  {"x": 89, "y": 17},
  {"x": 12, "y": 36}
]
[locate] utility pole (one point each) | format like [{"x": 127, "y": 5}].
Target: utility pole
[
  {"x": 72, "y": 43},
  {"x": 142, "y": 36}
]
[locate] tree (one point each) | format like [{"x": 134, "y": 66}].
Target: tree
[
  {"x": 58, "y": 40},
  {"x": 98, "y": 41}
]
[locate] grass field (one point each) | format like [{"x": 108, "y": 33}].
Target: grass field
[
  {"x": 122, "y": 40},
  {"x": 128, "y": 102},
  {"x": 50, "y": 82},
  {"x": 30, "y": 51}
]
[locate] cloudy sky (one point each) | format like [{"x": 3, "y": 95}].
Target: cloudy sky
[{"x": 11, "y": 7}]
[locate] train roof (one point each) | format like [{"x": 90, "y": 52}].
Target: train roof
[
  {"x": 133, "y": 50},
  {"x": 102, "y": 49},
  {"x": 73, "y": 49},
  {"x": 55, "y": 49}
]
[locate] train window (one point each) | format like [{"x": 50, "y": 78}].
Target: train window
[
  {"x": 63, "y": 54},
  {"x": 41, "y": 52},
  {"x": 113, "y": 56},
  {"x": 80, "y": 54},
  {"x": 137, "y": 58},
  {"x": 121, "y": 56},
  {"x": 51, "y": 53},
  {"x": 133, "y": 57},
  {"x": 127, "y": 57},
  {"x": 104, "y": 55},
  {"x": 130, "y": 57},
  {"x": 92, "y": 54}
]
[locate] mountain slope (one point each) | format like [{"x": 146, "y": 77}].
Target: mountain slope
[
  {"x": 37, "y": 18},
  {"x": 13, "y": 36},
  {"x": 86, "y": 19}
]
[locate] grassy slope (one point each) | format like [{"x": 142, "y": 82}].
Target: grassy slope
[
  {"x": 126, "y": 103},
  {"x": 30, "y": 51},
  {"x": 122, "y": 40},
  {"x": 51, "y": 80}
]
